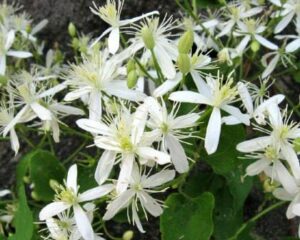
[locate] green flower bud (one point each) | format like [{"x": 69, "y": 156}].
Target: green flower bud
[
  {"x": 296, "y": 144},
  {"x": 26, "y": 179},
  {"x": 148, "y": 38},
  {"x": 75, "y": 43},
  {"x": 3, "y": 80},
  {"x": 132, "y": 78},
  {"x": 269, "y": 185},
  {"x": 130, "y": 66},
  {"x": 255, "y": 46},
  {"x": 35, "y": 196},
  {"x": 128, "y": 235},
  {"x": 72, "y": 29},
  {"x": 186, "y": 42},
  {"x": 54, "y": 185},
  {"x": 28, "y": 28},
  {"x": 184, "y": 63}
]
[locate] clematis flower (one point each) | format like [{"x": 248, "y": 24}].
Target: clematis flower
[
  {"x": 67, "y": 197},
  {"x": 252, "y": 30},
  {"x": 288, "y": 11},
  {"x": 282, "y": 134},
  {"x": 110, "y": 13},
  {"x": 235, "y": 12},
  {"x": 28, "y": 96},
  {"x": 123, "y": 136},
  {"x": 255, "y": 102},
  {"x": 219, "y": 95},
  {"x": 154, "y": 37},
  {"x": 140, "y": 187},
  {"x": 64, "y": 226},
  {"x": 6, "y": 41},
  {"x": 171, "y": 128},
  {"x": 96, "y": 76}
]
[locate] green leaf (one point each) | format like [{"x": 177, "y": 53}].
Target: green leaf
[
  {"x": 226, "y": 157},
  {"x": 23, "y": 220},
  {"x": 209, "y": 3},
  {"x": 189, "y": 219},
  {"x": 45, "y": 167}
]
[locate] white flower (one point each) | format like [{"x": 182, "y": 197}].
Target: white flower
[
  {"x": 68, "y": 197},
  {"x": 198, "y": 63},
  {"x": 252, "y": 29},
  {"x": 140, "y": 185},
  {"x": 110, "y": 13},
  {"x": 219, "y": 95},
  {"x": 156, "y": 36},
  {"x": 255, "y": 103},
  {"x": 28, "y": 95},
  {"x": 96, "y": 76},
  {"x": 64, "y": 227},
  {"x": 235, "y": 12},
  {"x": 282, "y": 134},
  {"x": 171, "y": 128},
  {"x": 288, "y": 11},
  {"x": 123, "y": 136},
  {"x": 6, "y": 42}
]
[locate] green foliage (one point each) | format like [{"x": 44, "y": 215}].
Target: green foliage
[
  {"x": 210, "y": 3},
  {"x": 187, "y": 218},
  {"x": 23, "y": 220}
]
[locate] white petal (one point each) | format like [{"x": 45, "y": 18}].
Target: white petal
[
  {"x": 165, "y": 62},
  {"x": 125, "y": 173},
  {"x": 284, "y": 22},
  {"x": 2, "y": 64},
  {"x": 167, "y": 86},
  {"x": 257, "y": 167},
  {"x": 185, "y": 121},
  {"x": 150, "y": 204},
  {"x": 120, "y": 89},
  {"x": 107, "y": 143},
  {"x": 200, "y": 84},
  {"x": 293, "y": 46},
  {"x": 114, "y": 40},
  {"x": 95, "y": 106},
  {"x": 15, "y": 120},
  {"x": 117, "y": 204},
  {"x": 9, "y": 39},
  {"x": 104, "y": 166},
  {"x": 53, "y": 209},
  {"x": 135, "y": 19},
  {"x": 190, "y": 97},
  {"x": 4, "y": 192},
  {"x": 285, "y": 178},
  {"x": 282, "y": 194},
  {"x": 14, "y": 141},
  {"x": 72, "y": 178},
  {"x": 42, "y": 112},
  {"x": 65, "y": 109},
  {"x": 243, "y": 44},
  {"x": 271, "y": 66},
  {"x": 292, "y": 158},
  {"x": 19, "y": 54},
  {"x": 52, "y": 91},
  {"x": 178, "y": 157},
  {"x": 95, "y": 193},
  {"x": 213, "y": 131},
  {"x": 255, "y": 144},
  {"x": 77, "y": 93},
  {"x": 93, "y": 126},
  {"x": 245, "y": 96},
  {"x": 244, "y": 118},
  {"x": 138, "y": 123},
  {"x": 263, "y": 41},
  {"x": 159, "y": 179},
  {"x": 39, "y": 26},
  {"x": 83, "y": 223},
  {"x": 152, "y": 154},
  {"x": 135, "y": 218}
]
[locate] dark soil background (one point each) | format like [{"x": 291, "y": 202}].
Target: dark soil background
[{"x": 60, "y": 13}]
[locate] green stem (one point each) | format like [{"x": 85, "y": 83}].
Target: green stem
[
  {"x": 157, "y": 67},
  {"x": 76, "y": 152},
  {"x": 255, "y": 218},
  {"x": 108, "y": 234}
]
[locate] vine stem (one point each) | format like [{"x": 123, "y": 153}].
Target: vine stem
[{"x": 255, "y": 218}]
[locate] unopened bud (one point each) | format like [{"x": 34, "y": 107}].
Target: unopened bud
[
  {"x": 75, "y": 43},
  {"x": 128, "y": 235},
  {"x": 35, "y": 196},
  {"x": 3, "y": 80},
  {"x": 255, "y": 46},
  {"x": 28, "y": 28},
  {"x": 72, "y": 29},
  {"x": 26, "y": 179},
  {"x": 296, "y": 144},
  {"x": 270, "y": 185},
  {"x": 132, "y": 78},
  {"x": 224, "y": 56},
  {"x": 147, "y": 36},
  {"x": 186, "y": 42},
  {"x": 184, "y": 63},
  {"x": 130, "y": 65}
]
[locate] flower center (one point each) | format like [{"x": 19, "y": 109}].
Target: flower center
[
  {"x": 251, "y": 25},
  {"x": 66, "y": 195},
  {"x": 164, "y": 128},
  {"x": 271, "y": 153},
  {"x": 224, "y": 93},
  {"x": 109, "y": 13}
]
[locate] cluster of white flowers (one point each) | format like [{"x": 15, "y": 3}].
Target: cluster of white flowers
[{"x": 128, "y": 87}]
